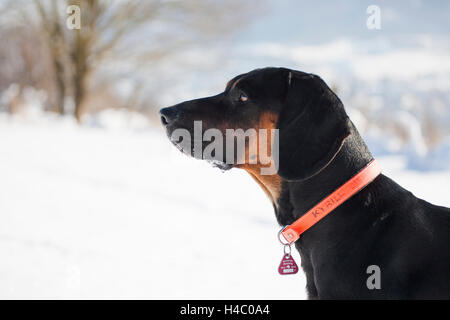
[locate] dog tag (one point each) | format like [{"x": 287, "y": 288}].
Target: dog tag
[{"x": 287, "y": 265}]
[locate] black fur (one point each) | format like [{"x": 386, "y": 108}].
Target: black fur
[
  {"x": 312, "y": 126},
  {"x": 320, "y": 149}
]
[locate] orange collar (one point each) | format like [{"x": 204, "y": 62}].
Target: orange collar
[{"x": 292, "y": 232}]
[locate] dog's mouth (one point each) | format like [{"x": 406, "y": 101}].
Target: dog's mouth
[
  {"x": 197, "y": 152},
  {"x": 219, "y": 164}
]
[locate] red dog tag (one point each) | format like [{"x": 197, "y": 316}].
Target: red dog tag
[{"x": 287, "y": 265}]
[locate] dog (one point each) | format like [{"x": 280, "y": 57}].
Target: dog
[{"x": 383, "y": 225}]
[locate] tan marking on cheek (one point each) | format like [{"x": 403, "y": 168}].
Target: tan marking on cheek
[{"x": 271, "y": 184}]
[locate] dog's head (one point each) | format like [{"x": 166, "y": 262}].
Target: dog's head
[{"x": 311, "y": 121}]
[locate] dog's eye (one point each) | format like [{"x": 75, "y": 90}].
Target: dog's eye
[{"x": 243, "y": 97}]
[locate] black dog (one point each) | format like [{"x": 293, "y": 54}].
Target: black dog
[{"x": 319, "y": 150}]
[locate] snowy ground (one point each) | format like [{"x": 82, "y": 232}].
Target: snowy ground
[{"x": 110, "y": 213}]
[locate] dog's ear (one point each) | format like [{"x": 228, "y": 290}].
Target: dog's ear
[{"x": 312, "y": 127}]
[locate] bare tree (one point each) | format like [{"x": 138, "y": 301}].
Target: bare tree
[
  {"x": 109, "y": 30},
  {"x": 55, "y": 39}
]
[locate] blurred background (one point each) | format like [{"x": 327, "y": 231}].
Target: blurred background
[{"x": 94, "y": 200}]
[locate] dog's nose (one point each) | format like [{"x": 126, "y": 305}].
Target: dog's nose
[{"x": 168, "y": 115}]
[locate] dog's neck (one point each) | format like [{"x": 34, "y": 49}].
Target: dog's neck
[{"x": 297, "y": 197}]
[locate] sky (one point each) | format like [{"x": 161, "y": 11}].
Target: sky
[{"x": 313, "y": 22}]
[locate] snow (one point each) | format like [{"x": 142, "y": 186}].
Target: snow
[{"x": 115, "y": 212}]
